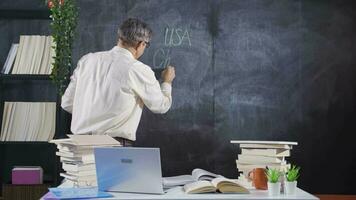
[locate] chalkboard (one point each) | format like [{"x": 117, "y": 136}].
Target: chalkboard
[
  {"x": 263, "y": 70},
  {"x": 260, "y": 70}
]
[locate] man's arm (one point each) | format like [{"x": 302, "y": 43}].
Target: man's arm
[
  {"x": 157, "y": 98},
  {"x": 69, "y": 94}
]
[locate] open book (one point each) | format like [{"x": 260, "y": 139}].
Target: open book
[
  {"x": 220, "y": 184},
  {"x": 197, "y": 174},
  {"x": 202, "y": 181}
]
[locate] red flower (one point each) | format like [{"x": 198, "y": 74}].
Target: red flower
[{"x": 50, "y": 3}]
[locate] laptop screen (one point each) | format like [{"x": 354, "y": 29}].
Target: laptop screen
[{"x": 128, "y": 169}]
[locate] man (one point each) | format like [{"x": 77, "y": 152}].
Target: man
[{"x": 108, "y": 89}]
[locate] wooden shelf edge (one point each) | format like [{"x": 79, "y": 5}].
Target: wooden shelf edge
[
  {"x": 24, "y": 142},
  {"x": 41, "y": 14},
  {"x": 25, "y": 77}
]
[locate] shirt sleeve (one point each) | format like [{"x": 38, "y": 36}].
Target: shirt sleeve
[
  {"x": 157, "y": 98},
  {"x": 69, "y": 94}
]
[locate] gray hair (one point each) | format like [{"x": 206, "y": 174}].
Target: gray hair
[{"x": 132, "y": 31}]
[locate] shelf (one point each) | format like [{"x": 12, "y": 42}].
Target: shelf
[
  {"x": 23, "y": 142},
  {"x": 25, "y": 14},
  {"x": 24, "y": 77}
]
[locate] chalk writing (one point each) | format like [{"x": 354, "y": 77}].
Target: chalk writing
[
  {"x": 173, "y": 37},
  {"x": 161, "y": 58},
  {"x": 176, "y": 37}
]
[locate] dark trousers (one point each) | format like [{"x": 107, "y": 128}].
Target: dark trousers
[{"x": 124, "y": 142}]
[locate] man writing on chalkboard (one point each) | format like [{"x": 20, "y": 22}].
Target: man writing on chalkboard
[{"x": 108, "y": 89}]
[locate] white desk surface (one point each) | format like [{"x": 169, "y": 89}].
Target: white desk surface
[{"x": 177, "y": 193}]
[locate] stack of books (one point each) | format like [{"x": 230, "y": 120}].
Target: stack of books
[
  {"x": 261, "y": 154},
  {"x": 28, "y": 121},
  {"x": 32, "y": 55},
  {"x": 77, "y": 157}
]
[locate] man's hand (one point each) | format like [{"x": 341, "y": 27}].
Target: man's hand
[{"x": 168, "y": 74}]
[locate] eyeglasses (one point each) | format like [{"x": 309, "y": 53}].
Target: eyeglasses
[{"x": 147, "y": 44}]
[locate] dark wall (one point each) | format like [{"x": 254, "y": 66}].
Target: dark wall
[{"x": 259, "y": 70}]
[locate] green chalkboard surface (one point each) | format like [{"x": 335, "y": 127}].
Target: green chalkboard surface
[{"x": 245, "y": 69}]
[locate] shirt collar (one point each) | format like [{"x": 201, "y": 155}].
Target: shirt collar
[{"x": 123, "y": 51}]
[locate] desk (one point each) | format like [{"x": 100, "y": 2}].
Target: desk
[{"x": 177, "y": 194}]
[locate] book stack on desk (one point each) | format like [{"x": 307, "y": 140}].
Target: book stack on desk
[
  {"x": 261, "y": 154},
  {"x": 77, "y": 157}
]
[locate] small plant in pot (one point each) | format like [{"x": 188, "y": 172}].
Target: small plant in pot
[
  {"x": 290, "y": 184},
  {"x": 273, "y": 183}
]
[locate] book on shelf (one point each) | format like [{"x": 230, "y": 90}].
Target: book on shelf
[
  {"x": 196, "y": 175},
  {"x": 266, "y": 152},
  {"x": 34, "y": 55},
  {"x": 10, "y": 59},
  {"x": 28, "y": 121},
  {"x": 219, "y": 184}
]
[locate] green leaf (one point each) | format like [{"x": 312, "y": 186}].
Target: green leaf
[
  {"x": 293, "y": 173},
  {"x": 63, "y": 25},
  {"x": 273, "y": 175}
]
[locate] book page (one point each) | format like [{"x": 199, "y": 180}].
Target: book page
[
  {"x": 12, "y": 110},
  {"x": 38, "y": 51},
  {"x": 45, "y": 54},
  {"x": 25, "y": 65},
  {"x": 5, "y": 120},
  {"x": 10, "y": 58},
  {"x": 225, "y": 185},
  {"x": 199, "y": 187},
  {"x": 201, "y": 174},
  {"x": 173, "y": 181},
  {"x": 52, "y": 53}
]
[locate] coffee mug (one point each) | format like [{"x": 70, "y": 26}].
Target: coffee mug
[{"x": 259, "y": 178}]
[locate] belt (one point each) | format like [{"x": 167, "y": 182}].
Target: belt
[{"x": 124, "y": 142}]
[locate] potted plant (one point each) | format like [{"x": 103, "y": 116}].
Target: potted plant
[
  {"x": 292, "y": 175},
  {"x": 273, "y": 183}
]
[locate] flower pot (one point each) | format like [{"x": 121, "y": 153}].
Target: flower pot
[
  {"x": 274, "y": 188},
  {"x": 290, "y": 187}
]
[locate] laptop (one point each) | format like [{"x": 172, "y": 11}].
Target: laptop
[{"x": 129, "y": 169}]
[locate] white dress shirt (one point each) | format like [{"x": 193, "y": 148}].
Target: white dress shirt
[{"x": 107, "y": 92}]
